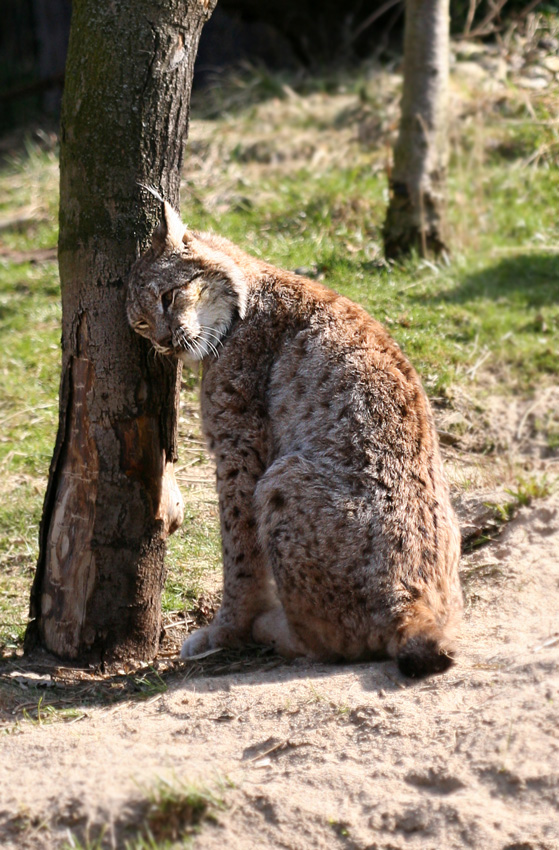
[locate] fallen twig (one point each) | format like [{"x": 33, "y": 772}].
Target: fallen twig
[{"x": 552, "y": 641}]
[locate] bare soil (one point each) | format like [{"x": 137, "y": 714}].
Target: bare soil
[{"x": 307, "y": 755}]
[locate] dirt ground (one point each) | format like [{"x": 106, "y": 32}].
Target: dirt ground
[{"x": 312, "y": 756}]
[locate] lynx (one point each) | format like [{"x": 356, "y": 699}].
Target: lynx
[{"x": 339, "y": 540}]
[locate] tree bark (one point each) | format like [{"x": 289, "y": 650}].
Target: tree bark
[
  {"x": 112, "y": 499},
  {"x": 416, "y": 213}
]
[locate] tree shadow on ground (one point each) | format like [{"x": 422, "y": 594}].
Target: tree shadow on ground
[
  {"x": 529, "y": 279},
  {"x": 41, "y": 689}
]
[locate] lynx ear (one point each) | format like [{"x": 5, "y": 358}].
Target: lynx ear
[{"x": 169, "y": 234}]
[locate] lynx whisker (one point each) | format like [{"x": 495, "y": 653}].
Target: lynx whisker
[
  {"x": 199, "y": 350},
  {"x": 209, "y": 330},
  {"x": 211, "y": 346},
  {"x": 162, "y": 349},
  {"x": 152, "y": 190},
  {"x": 183, "y": 342}
]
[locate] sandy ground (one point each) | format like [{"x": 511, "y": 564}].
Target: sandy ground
[{"x": 314, "y": 756}]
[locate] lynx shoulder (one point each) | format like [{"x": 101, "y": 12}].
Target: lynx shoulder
[{"x": 339, "y": 540}]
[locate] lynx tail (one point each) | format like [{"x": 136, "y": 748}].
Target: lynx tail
[
  {"x": 424, "y": 647},
  {"x": 423, "y": 656}
]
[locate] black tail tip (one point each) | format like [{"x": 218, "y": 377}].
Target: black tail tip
[{"x": 422, "y": 656}]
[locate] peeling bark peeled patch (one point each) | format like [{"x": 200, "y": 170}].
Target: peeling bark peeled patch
[
  {"x": 417, "y": 209},
  {"x": 112, "y": 498}
]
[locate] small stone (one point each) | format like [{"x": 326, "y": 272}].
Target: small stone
[
  {"x": 470, "y": 71},
  {"x": 496, "y": 66},
  {"x": 551, "y": 63},
  {"x": 532, "y": 83},
  {"x": 469, "y": 50},
  {"x": 533, "y": 71}
]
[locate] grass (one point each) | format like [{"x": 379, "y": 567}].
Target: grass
[
  {"x": 498, "y": 296},
  {"x": 176, "y": 809},
  {"x": 526, "y": 490},
  {"x": 74, "y": 843},
  {"x": 45, "y": 714},
  {"x": 197, "y": 544},
  {"x": 168, "y": 816},
  {"x": 294, "y": 170},
  {"x": 30, "y": 333},
  {"x": 150, "y": 684}
]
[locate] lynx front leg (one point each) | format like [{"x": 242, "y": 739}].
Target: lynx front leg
[{"x": 248, "y": 588}]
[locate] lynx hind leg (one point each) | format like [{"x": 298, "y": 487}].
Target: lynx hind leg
[
  {"x": 272, "y": 629},
  {"x": 332, "y": 607},
  {"x": 303, "y": 532}
]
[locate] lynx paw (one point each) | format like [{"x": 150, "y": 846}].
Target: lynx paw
[
  {"x": 198, "y": 642},
  {"x": 214, "y": 636}
]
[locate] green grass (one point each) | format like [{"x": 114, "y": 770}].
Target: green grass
[
  {"x": 193, "y": 551},
  {"x": 177, "y": 809},
  {"x": 292, "y": 177},
  {"x": 45, "y": 714},
  {"x": 20, "y": 511},
  {"x": 169, "y": 815},
  {"x": 498, "y": 297},
  {"x": 150, "y": 684},
  {"x": 29, "y": 339},
  {"x": 29, "y": 374},
  {"x": 526, "y": 490}
]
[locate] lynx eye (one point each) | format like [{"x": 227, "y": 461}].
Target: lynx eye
[
  {"x": 168, "y": 298},
  {"x": 141, "y": 327}
]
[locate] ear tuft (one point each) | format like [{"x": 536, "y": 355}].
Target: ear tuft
[
  {"x": 168, "y": 235},
  {"x": 173, "y": 225},
  {"x": 239, "y": 283}
]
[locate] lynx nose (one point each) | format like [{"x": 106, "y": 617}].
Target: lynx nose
[{"x": 165, "y": 341}]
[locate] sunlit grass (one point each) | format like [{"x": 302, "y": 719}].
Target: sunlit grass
[
  {"x": 20, "y": 509},
  {"x": 193, "y": 552},
  {"x": 501, "y": 300},
  {"x": 29, "y": 341}
]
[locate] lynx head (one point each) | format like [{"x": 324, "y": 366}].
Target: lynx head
[{"x": 183, "y": 294}]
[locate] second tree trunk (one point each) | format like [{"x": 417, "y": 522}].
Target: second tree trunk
[{"x": 417, "y": 207}]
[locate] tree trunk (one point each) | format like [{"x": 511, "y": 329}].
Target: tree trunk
[
  {"x": 112, "y": 499},
  {"x": 416, "y": 212}
]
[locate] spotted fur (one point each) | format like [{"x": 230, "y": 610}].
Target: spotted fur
[{"x": 339, "y": 540}]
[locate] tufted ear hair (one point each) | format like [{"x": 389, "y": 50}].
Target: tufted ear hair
[
  {"x": 168, "y": 235},
  {"x": 188, "y": 238}
]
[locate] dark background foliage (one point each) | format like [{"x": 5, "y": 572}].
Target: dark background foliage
[{"x": 305, "y": 34}]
